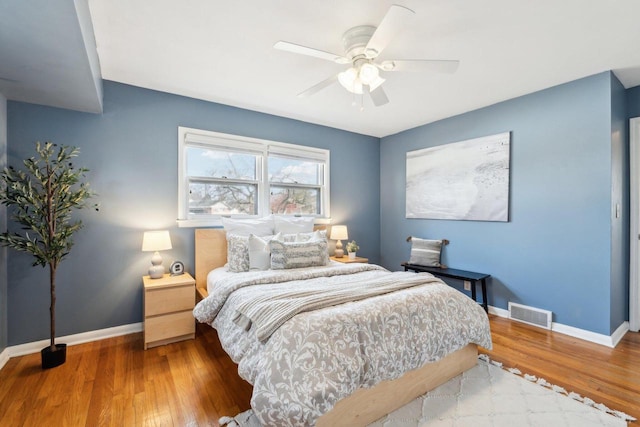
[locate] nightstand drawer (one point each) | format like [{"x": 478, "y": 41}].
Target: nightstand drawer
[
  {"x": 169, "y": 300},
  {"x": 169, "y": 326}
]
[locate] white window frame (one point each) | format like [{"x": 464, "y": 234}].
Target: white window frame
[{"x": 189, "y": 137}]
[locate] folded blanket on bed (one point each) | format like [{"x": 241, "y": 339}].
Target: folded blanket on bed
[
  {"x": 207, "y": 309},
  {"x": 268, "y": 311}
]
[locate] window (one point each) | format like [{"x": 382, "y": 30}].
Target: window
[{"x": 227, "y": 175}]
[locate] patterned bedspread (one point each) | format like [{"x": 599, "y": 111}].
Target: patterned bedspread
[{"x": 321, "y": 356}]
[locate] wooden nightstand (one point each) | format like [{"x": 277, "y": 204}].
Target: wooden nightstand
[
  {"x": 345, "y": 259},
  {"x": 168, "y": 304}
]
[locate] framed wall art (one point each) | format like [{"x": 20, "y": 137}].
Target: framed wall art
[{"x": 466, "y": 180}]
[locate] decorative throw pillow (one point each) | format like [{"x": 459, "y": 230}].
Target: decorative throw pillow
[
  {"x": 244, "y": 227},
  {"x": 293, "y": 224},
  {"x": 298, "y": 254},
  {"x": 304, "y": 237},
  {"x": 237, "y": 253},
  {"x": 426, "y": 252},
  {"x": 316, "y": 235},
  {"x": 259, "y": 252}
]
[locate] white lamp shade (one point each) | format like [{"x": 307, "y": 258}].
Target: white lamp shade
[
  {"x": 350, "y": 81},
  {"x": 156, "y": 241},
  {"x": 368, "y": 73},
  {"x": 339, "y": 232}
]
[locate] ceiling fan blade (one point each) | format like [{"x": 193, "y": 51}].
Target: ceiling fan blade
[
  {"x": 378, "y": 96},
  {"x": 316, "y": 53},
  {"x": 435, "y": 65},
  {"x": 318, "y": 87},
  {"x": 393, "y": 22}
]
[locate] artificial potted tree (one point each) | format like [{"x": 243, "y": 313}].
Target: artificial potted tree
[{"x": 42, "y": 198}]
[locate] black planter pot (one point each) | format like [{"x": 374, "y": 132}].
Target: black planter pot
[{"x": 51, "y": 359}]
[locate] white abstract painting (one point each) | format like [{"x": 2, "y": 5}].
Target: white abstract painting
[{"x": 467, "y": 180}]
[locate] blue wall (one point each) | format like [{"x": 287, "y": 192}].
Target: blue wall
[
  {"x": 3, "y": 226},
  {"x": 131, "y": 151},
  {"x": 555, "y": 252},
  {"x": 633, "y": 102}
]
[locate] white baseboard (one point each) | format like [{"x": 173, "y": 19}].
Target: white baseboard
[
  {"x": 500, "y": 312},
  {"x": 4, "y": 357},
  {"x": 35, "y": 347},
  {"x": 619, "y": 333},
  {"x": 609, "y": 341}
]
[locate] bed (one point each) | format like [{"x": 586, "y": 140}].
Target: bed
[{"x": 297, "y": 357}]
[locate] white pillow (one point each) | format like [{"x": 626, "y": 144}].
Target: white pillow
[
  {"x": 259, "y": 252},
  {"x": 293, "y": 224},
  {"x": 244, "y": 227}
]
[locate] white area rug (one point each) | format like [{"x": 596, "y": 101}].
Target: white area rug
[{"x": 487, "y": 395}]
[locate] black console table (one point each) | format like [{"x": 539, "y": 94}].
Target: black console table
[{"x": 452, "y": 273}]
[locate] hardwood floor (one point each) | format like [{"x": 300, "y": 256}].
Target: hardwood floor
[{"x": 114, "y": 382}]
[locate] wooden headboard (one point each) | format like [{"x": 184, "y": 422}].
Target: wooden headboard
[{"x": 211, "y": 252}]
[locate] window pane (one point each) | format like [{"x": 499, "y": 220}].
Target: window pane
[
  {"x": 291, "y": 200},
  {"x": 220, "y": 164},
  {"x": 222, "y": 199},
  {"x": 294, "y": 171}
]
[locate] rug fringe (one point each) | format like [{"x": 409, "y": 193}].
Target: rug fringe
[
  {"x": 227, "y": 421},
  {"x": 544, "y": 383}
]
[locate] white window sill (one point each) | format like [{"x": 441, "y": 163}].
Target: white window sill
[{"x": 217, "y": 222}]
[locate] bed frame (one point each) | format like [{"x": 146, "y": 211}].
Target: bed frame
[{"x": 367, "y": 404}]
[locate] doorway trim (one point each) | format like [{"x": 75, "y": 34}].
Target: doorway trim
[{"x": 634, "y": 238}]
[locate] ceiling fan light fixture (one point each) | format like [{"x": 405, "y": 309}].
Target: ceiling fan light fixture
[
  {"x": 350, "y": 81},
  {"x": 368, "y": 73}
]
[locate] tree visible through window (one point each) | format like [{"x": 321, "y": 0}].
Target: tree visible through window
[
  {"x": 295, "y": 186},
  {"x": 221, "y": 182},
  {"x": 226, "y": 175}
]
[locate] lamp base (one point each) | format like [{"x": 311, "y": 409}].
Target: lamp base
[
  {"x": 156, "y": 271},
  {"x": 338, "y": 253}
]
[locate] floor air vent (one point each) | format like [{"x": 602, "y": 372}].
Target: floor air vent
[{"x": 532, "y": 316}]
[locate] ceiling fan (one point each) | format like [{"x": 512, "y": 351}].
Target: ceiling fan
[{"x": 362, "y": 46}]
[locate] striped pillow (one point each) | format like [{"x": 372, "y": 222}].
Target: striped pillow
[
  {"x": 425, "y": 252},
  {"x": 298, "y": 254}
]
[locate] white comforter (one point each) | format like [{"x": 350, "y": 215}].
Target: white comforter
[{"x": 319, "y": 357}]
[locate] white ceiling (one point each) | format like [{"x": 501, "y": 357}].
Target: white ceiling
[{"x": 221, "y": 51}]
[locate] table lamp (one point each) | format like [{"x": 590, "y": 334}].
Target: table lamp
[
  {"x": 154, "y": 241},
  {"x": 339, "y": 233}
]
